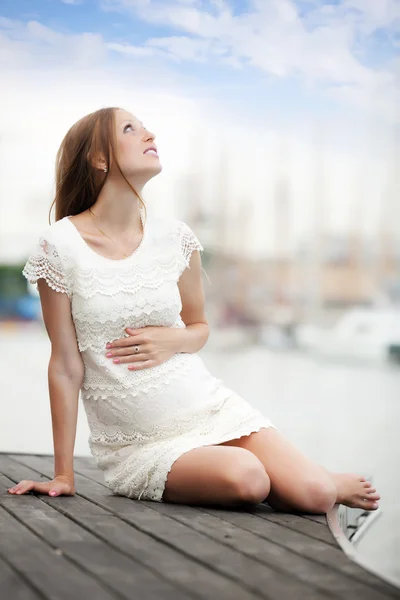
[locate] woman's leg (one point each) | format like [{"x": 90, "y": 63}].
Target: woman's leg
[
  {"x": 297, "y": 483},
  {"x": 217, "y": 475}
]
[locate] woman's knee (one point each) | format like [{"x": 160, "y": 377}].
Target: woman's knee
[{"x": 248, "y": 481}]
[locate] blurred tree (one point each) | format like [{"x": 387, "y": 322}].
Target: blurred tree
[{"x": 12, "y": 283}]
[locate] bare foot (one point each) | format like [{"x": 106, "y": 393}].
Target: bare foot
[{"x": 355, "y": 491}]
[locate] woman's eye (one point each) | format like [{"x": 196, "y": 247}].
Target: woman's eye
[{"x": 126, "y": 126}]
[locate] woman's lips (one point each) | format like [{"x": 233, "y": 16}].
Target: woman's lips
[{"x": 152, "y": 151}]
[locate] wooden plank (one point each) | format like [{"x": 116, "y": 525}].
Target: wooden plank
[
  {"x": 324, "y": 554},
  {"x": 338, "y": 561},
  {"x": 317, "y": 518},
  {"x": 169, "y": 563},
  {"x": 115, "y": 570},
  {"x": 296, "y": 522},
  {"x": 268, "y": 551},
  {"x": 258, "y": 578},
  {"x": 46, "y": 569},
  {"x": 295, "y": 541},
  {"x": 12, "y": 585}
]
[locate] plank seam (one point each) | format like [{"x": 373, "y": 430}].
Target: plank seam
[
  {"x": 293, "y": 528},
  {"x": 20, "y": 574},
  {"x": 99, "y": 582}
]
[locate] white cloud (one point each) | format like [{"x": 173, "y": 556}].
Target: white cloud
[
  {"x": 130, "y": 50},
  {"x": 31, "y": 43},
  {"x": 374, "y": 15},
  {"x": 324, "y": 47},
  {"x": 187, "y": 48}
]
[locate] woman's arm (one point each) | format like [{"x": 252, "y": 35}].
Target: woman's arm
[
  {"x": 65, "y": 375},
  {"x": 195, "y": 335}
]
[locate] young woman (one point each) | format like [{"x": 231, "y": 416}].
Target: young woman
[{"x": 123, "y": 305}]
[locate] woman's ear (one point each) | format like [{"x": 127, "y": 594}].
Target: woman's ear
[{"x": 98, "y": 161}]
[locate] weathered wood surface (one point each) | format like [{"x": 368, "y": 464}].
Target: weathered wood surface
[{"x": 97, "y": 545}]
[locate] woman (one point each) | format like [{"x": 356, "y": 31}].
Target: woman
[{"x": 123, "y": 305}]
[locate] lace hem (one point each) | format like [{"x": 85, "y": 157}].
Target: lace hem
[
  {"x": 136, "y": 383},
  {"x": 189, "y": 242},
  {"x": 95, "y": 335},
  {"x": 137, "y": 308},
  {"x": 45, "y": 263},
  {"x": 150, "y": 275},
  {"x": 118, "y": 430},
  {"x": 41, "y": 268}
]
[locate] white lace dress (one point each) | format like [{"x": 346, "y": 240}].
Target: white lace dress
[{"x": 140, "y": 421}]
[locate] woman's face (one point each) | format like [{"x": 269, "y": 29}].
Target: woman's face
[{"x": 133, "y": 144}]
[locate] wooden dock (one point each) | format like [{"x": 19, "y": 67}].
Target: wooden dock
[{"x": 99, "y": 546}]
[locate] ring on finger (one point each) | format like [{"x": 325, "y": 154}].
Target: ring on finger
[{"x": 136, "y": 349}]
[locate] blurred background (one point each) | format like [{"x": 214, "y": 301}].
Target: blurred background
[{"x": 278, "y": 128}]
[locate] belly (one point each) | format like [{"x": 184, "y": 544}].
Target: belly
[{"x": 152, "y": 401}]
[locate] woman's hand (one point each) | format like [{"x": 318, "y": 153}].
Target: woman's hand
[
  {"x": 156, "y": 345},
  {"x": 59, "y": 486}
]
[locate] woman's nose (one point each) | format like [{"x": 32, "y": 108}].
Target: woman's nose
[{"x": 149, "y": 134}]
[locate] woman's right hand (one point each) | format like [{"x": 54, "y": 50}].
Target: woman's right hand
[{"x": 60, "y": 485}]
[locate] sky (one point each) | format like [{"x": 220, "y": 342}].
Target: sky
[{"x": 241, "y": 95}]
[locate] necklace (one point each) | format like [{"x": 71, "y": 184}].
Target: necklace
[{"x": 101, "y": 231}]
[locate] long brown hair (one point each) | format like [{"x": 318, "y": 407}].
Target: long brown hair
[{"x": 78, "y": 181}]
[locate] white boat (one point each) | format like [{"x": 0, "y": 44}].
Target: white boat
[{"x": 370, "y": 334}]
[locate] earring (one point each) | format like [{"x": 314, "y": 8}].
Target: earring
[{"x": 105, "y": 169}]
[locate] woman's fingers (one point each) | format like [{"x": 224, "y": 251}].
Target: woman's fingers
[
  {"x": 129, "y": 351},
  {"x": 43, "y": 487},
  {"x": 22, "y": 487}
]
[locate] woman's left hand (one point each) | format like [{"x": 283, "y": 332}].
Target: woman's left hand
[{"x": 156, "y": 345}]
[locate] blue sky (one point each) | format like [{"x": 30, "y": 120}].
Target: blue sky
[{"x": 280, "y": 57}]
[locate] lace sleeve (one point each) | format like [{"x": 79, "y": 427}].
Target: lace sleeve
[
  {"x": 45, "y": 263},
  {"x": 189, "y": 242}
]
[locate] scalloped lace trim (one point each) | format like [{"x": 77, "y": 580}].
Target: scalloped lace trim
[
  {"x": 189, "y": 242},
  {"x": 114, "y": 420},
  {"x": 140, "y": 308},
  {"x": 46, "y": 264},
  {"x": 94, "y": 336},
  {"x": 135, "y": 383},
  {"x": 150, "y": 275}
]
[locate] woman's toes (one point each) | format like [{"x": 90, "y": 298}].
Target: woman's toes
[
  {"x": 374, "y": 496},
  {"x": 367, "y": 484}
]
